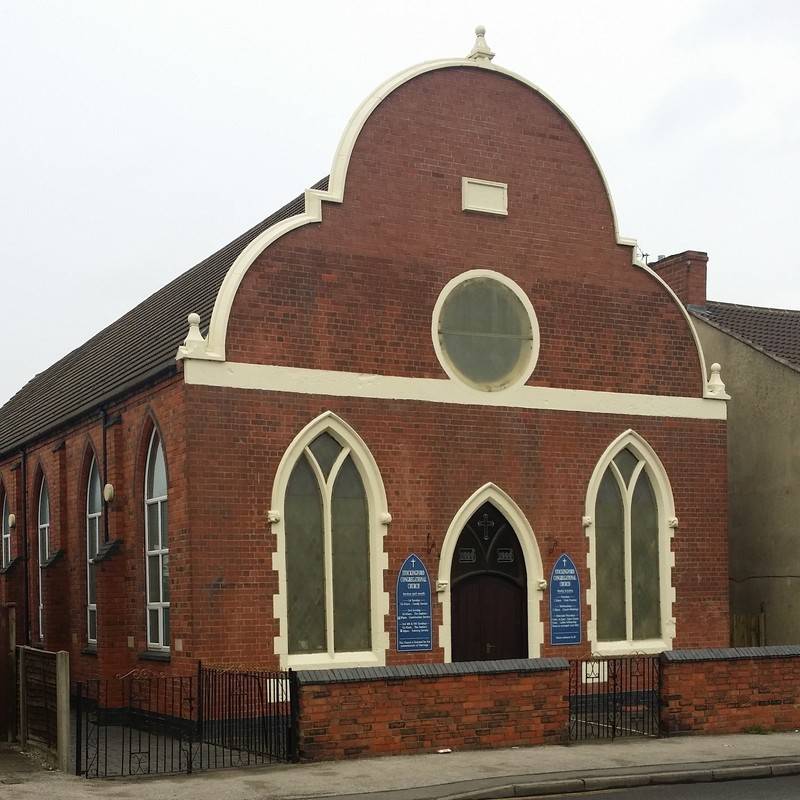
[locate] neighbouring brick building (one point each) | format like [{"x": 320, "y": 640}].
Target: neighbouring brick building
[{"x": 442, "y": 353}]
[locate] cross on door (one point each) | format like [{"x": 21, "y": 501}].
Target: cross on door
[{"x": 485, "y": 523}]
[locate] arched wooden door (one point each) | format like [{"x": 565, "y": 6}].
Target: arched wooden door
[{"x": 488, "y": 590}]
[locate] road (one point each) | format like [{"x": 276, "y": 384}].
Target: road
[{"x": 761, "y": 789}]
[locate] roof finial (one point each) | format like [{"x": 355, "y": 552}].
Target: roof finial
[
  {"x": 480, "y": 50},
  {"x": 194, "y": 342}
]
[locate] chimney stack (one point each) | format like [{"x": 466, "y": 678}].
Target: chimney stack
[{"x": 686, "y": 275}]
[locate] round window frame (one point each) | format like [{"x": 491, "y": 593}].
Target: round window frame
[{"x": 524, "y": 372}]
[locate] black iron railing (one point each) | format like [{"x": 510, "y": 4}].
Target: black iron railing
[
  {"x": 614, "y": 697},
  {"x": 145, "y": 723}
]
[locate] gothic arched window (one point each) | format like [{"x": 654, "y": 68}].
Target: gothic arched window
[
  {"x": 94, "y": 511},
  {"x": 632, "y": 505},
  {"x": 327, "y": 552},
  {"x": 156, "y": 546},
  {"x": 6, "y": 533},
  {"x": 44, "y": 546}
]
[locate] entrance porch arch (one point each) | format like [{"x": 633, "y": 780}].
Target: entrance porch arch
[{"x": 530, "y": 549}]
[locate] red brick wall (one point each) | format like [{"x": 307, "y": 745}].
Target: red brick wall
[
  {"x": 686, "y": 275},
  {"x": 361, "y": 286},
  {"x": 63, "y": 459},
  {"x": 731, "y": 695},
  {"x": 419, "y": 715},
  {"x": 432, "y": 458}
]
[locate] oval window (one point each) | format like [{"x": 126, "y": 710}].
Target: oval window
[{"x": 486, "y": 333}]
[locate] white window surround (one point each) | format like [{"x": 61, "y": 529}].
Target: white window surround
[
  {"x": 666, "y": 529},
  {"x": 5, "y": 544},
  {"x": 91, "y": 608},
  {"x": 43, "y": 537},
  {"x": 379, "y": 518},
  {"x": 527, "y": 368},
  {"x": 493, "y": 494},
  {"x": 154, "y": 642}
]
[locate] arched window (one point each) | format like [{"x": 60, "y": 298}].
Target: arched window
[
  {"x": 327, "y": 552},
  {"x": 6, "y": 560},
  {"x": 44, "y": 546},
  {"x": 94, "y": 510},
  {"x": 156, "y": 546},
  {"x": 629, "y": 557}
]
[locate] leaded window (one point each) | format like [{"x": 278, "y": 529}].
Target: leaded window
[
  {"x": 6, "y": 535},
  {"x": 485, "y": 333},
  {"x": 94, "y": 511},
  {"x": 327, "y": 552},
  {"x": 627, "y": 552},
  {"x": 44, "y": 546},
  {"x": 156, "y": 546}
]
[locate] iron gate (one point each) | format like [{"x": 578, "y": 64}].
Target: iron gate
[
  {"x": 614, "y": 697},
  {"x": 146, "y": 723}
]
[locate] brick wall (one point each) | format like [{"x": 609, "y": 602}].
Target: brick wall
[
  {"x": 686, "y": 275},
  {"x": 432, "y": 458},
  {"x": 62, "y": 458},
  {"x": 731, "y": 690},
  {"x": 361, "y": 286},
  {"x": 383, "y": 711}
]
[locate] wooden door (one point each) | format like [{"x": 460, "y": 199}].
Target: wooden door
[{"x": 488, "y": 591}]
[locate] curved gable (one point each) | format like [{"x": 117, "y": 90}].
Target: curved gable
[{"x": 393, "y": 233}]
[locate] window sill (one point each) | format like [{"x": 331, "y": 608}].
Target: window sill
[
  {"x": 154, "y": 655},
  {"x": 11, "y": 564},
  {"x": 339, "y": 660},
  {"x": 89, "y": 651},
  {"x": 642, "y": 647}
]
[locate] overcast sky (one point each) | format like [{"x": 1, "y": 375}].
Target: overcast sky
[{"x": 138, "y": 137}]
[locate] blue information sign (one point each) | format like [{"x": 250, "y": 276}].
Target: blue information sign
[
  {"x": 565, "y": 602},
  {"x": 414, "y": 627}
]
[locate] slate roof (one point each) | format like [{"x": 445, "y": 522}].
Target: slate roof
[
  {"x": 136, "y": 348},
  {"x": 774, "y": 331}
]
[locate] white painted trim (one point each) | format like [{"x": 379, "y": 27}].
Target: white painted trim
[
  {"x": 379, "y": 560},
  {"x": 705, "y": 389},
  {"x": 447, "y": 366},
  {"x": 42, "y": 528},
  {"x": 501, "y": 209},
  {"x": 215, "y": 343},
  {"x": 94, "y": 469},
  {"x": 155, "y": 643},
  {"x": 666, "y": 513},
  {"x": 5, "y": 527},
  {"x": 265, "y": 377},
  {"x": 530, "y": 549}
]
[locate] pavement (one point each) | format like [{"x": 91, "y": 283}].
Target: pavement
[{"x": 458, "y": 775}]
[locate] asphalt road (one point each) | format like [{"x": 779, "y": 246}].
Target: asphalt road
[{"x": 761, "y": 789}]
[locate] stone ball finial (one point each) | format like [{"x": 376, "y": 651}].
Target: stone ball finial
[
  {"x": 716, "y": 386},
  {"x": 480, "y": 50},
  {"x": 193, "y": 319}
]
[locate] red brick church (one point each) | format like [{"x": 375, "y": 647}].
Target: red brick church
[{"x": 434, "y": 409}]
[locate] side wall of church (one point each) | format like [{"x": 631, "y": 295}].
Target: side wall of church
[{"x": 64, "y": 461}]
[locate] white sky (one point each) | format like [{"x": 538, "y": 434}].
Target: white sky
[{"x": 138, "y": 137}]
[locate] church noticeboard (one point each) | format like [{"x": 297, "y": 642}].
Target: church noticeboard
[
  {"x": 414, "y": 626},
  {"x": 565, "y": 602}
]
